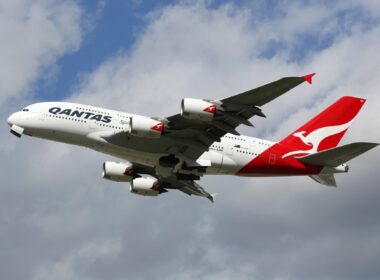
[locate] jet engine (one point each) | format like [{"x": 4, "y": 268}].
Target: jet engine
[
  {"x": 118, "y": 172},
  {"x": 146, "y": 186},
  {"x": 197, "y": 109},
  {"x": 146, "y": 127}
]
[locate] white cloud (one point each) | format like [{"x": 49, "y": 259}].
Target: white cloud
[
  {"x": 34, "y": 34},
  {"x": 60, "y": 209}
]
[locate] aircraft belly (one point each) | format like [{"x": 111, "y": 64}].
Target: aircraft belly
[
  {"x": 129, "y": 154},
  {"x": 148, "y": 145},
  {"x": 58, "y": 136}
]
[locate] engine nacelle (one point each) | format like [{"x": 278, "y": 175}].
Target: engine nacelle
[
  {"x": 118, "y": 172},
  {"x": 146, "y": 186},
  {"x": 197, "y": 109},
  {"x": 146, "y": 127}
]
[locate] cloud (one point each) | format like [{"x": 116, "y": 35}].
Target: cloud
[
  {"x": 79, "y": 259},
  {"x": 61, "y": 220},
  {"x": 34, "y": 34}
]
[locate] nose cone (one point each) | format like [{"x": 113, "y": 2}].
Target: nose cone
[
  {"x": 12, "y": 119},
  {"x": 18, "y": 118}
]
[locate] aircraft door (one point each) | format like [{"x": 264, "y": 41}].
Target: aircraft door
[
  {"x": 272, "y": 159},
  {"x": 91, "y": 124},
  {"x": 228, "y": 162},
  {"x": 126, "y": 123}
]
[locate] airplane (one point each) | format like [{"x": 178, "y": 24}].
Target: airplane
[{"x": 173, "y": 153}]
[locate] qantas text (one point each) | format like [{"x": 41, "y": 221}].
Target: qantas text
[{"x": 80, "y": 114}]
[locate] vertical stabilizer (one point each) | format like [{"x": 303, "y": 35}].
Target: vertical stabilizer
[{"x": 325, "y": 130}]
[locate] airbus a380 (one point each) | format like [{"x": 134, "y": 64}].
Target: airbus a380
[{"x": 174, "y": 152}]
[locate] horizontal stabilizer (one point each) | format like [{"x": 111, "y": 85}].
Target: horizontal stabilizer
[
  {"x": 325, "y": 179},
  {"x": 337, "y": 156}
]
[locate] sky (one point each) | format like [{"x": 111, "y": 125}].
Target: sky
[{"x": 60, "y": 220}]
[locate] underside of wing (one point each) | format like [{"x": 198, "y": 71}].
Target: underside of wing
[
  {"x": 189, "y": 187},
  {"x": 144, "y": 180}
]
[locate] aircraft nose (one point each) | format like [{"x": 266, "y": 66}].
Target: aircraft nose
[
  {"x": 17, "y": 118},
  {"x": 12, "y": 119}
]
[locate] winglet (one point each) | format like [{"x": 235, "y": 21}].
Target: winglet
[
  {"x": 211, "y": 197},
  {"x": 309, "y": 78}
]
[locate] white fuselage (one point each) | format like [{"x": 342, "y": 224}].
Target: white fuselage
[{"x": 86, "y": 125}]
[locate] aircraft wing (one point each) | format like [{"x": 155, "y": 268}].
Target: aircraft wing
[
  {"x": 189, "y": 187},
  {"x": 193, "y": 137},
  {"x": 266, "y": 93}
]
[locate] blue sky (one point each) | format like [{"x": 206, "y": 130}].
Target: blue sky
[
  {"x": 114, "y": 26},
  {"x": 111, "y": 26}
]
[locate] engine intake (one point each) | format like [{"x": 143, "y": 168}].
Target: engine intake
[
  {"x": 146, "y": 127},
  {"x": 197, "y": 109},
  {"x": 146, "y": 187},
  {"x": 118, "y": 172}
]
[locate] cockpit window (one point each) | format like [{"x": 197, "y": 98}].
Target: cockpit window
[{"x": 25, "y": 110}]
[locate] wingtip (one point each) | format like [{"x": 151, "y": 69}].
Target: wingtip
[
  {"x": 309, "y": 78},
  {"x": 211, "y": 197}
]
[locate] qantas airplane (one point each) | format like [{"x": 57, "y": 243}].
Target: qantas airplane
[{"x": 174, "y": 152}]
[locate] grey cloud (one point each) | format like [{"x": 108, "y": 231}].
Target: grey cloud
[{"x": 60, "y": 220}]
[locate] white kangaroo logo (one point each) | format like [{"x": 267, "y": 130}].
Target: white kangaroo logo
[{"x": 314, "y": 138}]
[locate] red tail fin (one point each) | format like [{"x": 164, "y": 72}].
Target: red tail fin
[{"x": 326, "y": 129}]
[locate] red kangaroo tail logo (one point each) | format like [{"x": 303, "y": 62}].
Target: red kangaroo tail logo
[{"x": 325, "y": 130}]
